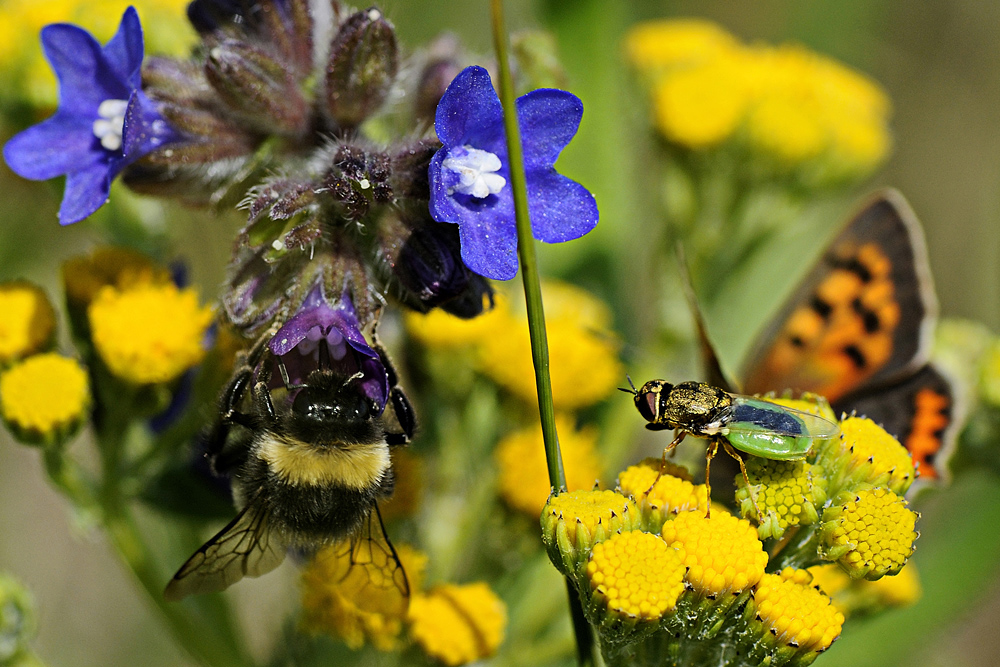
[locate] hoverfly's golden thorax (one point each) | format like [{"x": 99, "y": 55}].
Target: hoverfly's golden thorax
[{"x": 691, "y": 404}]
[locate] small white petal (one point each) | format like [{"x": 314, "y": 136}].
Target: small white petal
[{"x": 475, "y": 169}]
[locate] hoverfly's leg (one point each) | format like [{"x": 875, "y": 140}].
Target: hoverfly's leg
[
  {"x": 713, "y": 447},
  {"x": 666, "y": 450},
  {"x": 746, "y": 478}
]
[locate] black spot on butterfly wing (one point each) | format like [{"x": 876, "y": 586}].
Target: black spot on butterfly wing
[{"x": 246, "y": 547}]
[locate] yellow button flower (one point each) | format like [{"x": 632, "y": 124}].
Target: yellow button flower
[
  {"x": 573, "y": 522},
  {"x": 458, "y": 624},
  {"x": 661, "y": 489},
  {"x": 523, "y": 472},
  {"x": 869, "y": 533},
  {"x": 635, "y": 574},
  {"x": 342, "y": 600},
  {"x": 867, "y": 454},
  {"x": 45, "y": 398},
  {"x": 149, "y": 333},
  {"x": 28, "y": 323},
  {"x": 788, "y": 493},
  {"x": 795, "y": 614},
  {"x": 722, "y": 553},
  {"x": 657, "y": 44}
]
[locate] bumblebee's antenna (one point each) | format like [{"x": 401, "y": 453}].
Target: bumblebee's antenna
[
  {"x": 283, "y": 371},
  {"x": 357, "y": 376},
  {"x": 633, "y": 390}
]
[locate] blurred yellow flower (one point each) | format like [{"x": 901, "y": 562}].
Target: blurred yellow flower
[
  {"x": 45, "y": 398},
  {"x": 25, "y": 71},
  {"x": 28, "y": 323},
  {"x": 794, "y": 106},
  {"x": 523, "y": 472},
  {"x": 148, "y": 333},
  {"x": 458, "y": 624}
]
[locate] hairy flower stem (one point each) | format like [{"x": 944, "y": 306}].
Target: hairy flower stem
[{"x": 533, "y": 302}]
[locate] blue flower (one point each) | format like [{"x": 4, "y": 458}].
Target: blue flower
[
  {"x": 104, "y": 121},
  {"x": 470, "y": 176}
]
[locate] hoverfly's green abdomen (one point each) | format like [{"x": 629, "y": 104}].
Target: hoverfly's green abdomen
[{"x": 765, "y": 429}]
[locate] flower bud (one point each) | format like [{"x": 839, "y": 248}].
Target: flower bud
[
  {"x": 45, "y": 399},
  {"x": 408, "y": 176},
  {"x": 787, "y": 493},
  {"x": 17, "y": 620},
  {"x": 258, "y": 87},
  {"x": 573, "y": 522},
  {"x": 364, "y": 59},
  {"x": 434, "y": 81},
  {"x": 29, "y": 321}
]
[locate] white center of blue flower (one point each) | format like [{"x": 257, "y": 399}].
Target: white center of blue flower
[
  {"x": 110, "y": 124},
  {"x": 475, "y": 169}
]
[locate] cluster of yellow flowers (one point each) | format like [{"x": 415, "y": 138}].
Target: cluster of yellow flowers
[
  {"x": 143, "y": 328},
  {"x": 26, "y": 74},
  {"x": 655, "y": 569},
  {"x": 453, "y": 624},
  {"x": 794, "y": 106},
  {"x": 584, "y": 369}
]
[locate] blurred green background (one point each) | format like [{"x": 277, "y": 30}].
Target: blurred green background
[{"x": 938, "y": 62}]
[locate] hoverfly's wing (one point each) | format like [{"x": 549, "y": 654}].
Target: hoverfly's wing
[
  {"x": 367, "y": 570},
  {"x": 245, "y": 548},
  {"x": 749, "y": 414},
  {"x": 922, "y": 411},
  {"x": 864, "y": 315},
  {"x": 709, "y": 358}
]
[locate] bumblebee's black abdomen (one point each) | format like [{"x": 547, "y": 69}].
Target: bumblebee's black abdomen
[
  {"x": 320, "y": 513},
  {"x": 775, "y": 420}
]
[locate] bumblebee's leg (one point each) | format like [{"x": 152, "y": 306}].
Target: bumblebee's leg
[
  {"x": 713, "y": 447},
  {"x": 402, "y": 431},
  {"x": 746, "y": 479}
]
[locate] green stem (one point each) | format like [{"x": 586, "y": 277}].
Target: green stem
[
  {"x": 533, "y": 303},
  {"x": 526, "y": 253}
]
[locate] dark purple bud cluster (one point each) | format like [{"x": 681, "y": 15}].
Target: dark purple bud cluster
[{"x": 273, "y": 108}]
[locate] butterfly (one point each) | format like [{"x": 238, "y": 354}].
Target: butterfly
[{"x": 858, "y": 331}]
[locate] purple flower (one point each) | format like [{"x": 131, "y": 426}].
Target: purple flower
[
  {"x": 104, "y": 121},
  {"x": 318, "y": 321},
  {"x": 470, "y": 176}
]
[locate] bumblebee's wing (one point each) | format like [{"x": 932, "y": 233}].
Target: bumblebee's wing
[
  {"x": 922, "y": 411},
  {"x": 862, "y": 317},
  {"x": 755, "y": 415},
  {"x": 245, "y": 548},
  {"x": 368, "y": 570}
]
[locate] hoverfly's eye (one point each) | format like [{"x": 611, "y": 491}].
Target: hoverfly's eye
[{"x": 645, "y": 402}]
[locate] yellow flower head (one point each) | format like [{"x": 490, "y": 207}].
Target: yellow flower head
[
  {"x": 28, "y": 323},
  {"x": 702, "y": 105},
  {"x": 869, "y": 533},
  {"x": 85, "y": 275},
  {"x": 583, "y": 354},
  {"x": 342, "y": 600},
  {"x": 661, "y": 489},
  {"x": 788, "y": 493},
  {"x": 795, "y": 614},
  {"x": 165, "y": 29},
  {"x": 657, "y": 44},
  {"x": 148, "y": 333},
  {"x": 45, "y": 398},
  {"x": 722, "y": 553},
  {"x": 523, "y": 473},
  {"x": 636, "y": 575},
  {"x": 573, "y": 522},
  {"x": 867, "y": 454},
  {"x": 458, "y": 624}
]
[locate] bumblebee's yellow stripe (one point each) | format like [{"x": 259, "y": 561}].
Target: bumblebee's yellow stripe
[{"x": 357, "y": 467}]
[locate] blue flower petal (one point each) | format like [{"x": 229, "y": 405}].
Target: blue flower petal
[
  {"x": 144, "y": 129},
  {"x": 124, "y": 51},
  {"x": 548, "y": 119},
  {"x": 54, "y": 147},
  {"x": 86, "y": 191},
  {"x": 561, "y": 209},
  {"x": 470, "y": 113},
  {"x": 85, "y": 77}
]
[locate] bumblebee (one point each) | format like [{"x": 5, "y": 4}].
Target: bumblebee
[
  {"x": 308, "y": 460},
  {"x": 734, "y": 422}
]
